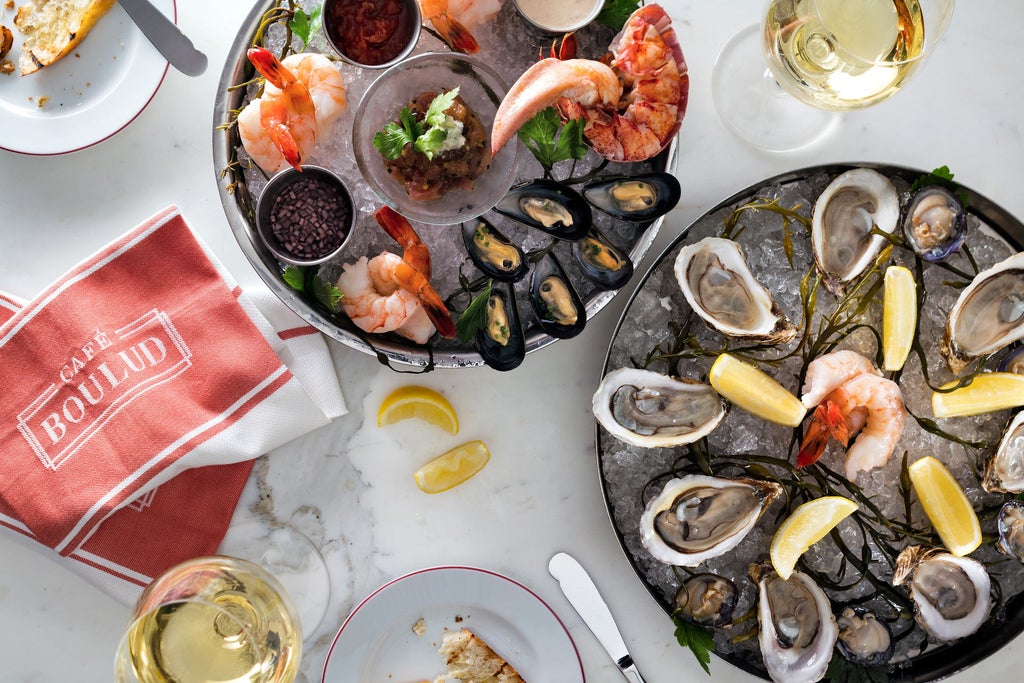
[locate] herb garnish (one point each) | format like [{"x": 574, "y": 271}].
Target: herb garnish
[
  {"x": 699, "y": 640},
  {"x": 428, "y": 139},
  {"x": 549, "y": 145},
  {"x": 615, "y": 12},
  {"x": 474, "y": 318},
  {"x": 305, "y": 25},
  {"x": 308, "y": 280}
]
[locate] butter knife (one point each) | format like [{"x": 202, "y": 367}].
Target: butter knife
[
  {"x": 166, "y": 37},
  {"x": 583, "y": 595}
]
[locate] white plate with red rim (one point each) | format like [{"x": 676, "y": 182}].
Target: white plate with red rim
[
  {"x": 377, "y": 641},
  {"x": 86, "y": 97}
]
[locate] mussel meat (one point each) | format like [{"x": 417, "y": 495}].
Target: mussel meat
[
  {"x": 559, "y": 309},
  {"x": 548, "y": 206},
  {"x": 935, "y": 224},
  {"x": 707, "y": 599},
  {"x": 601, "y": 262},
  {"x": 1011, "y": 529},
  {"x": 493, "y": 253},
  {"x": 634, "y": 198},
  {"x": 864, "y": 639},
  {"x": 500, "y": 342}
]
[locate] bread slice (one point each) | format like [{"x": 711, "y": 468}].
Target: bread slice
[
  {"x": 53, "y": 28},
  {"x": 471, "y": 660}
]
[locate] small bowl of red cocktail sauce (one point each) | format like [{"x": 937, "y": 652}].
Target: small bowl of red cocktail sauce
[
  {"x": 372, "y": 33},
  {"x": 305, "y": 218}
]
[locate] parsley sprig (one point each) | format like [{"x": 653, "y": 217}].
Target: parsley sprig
[
  {"x": 305, "y": 25},
  {"x": 615, "y": 12},
  {"x": 308, "y": 280},
  {"x": 698, "y": 639},
  {"x": 550, "y": 141},
  {"x": 427, "y": 136}
]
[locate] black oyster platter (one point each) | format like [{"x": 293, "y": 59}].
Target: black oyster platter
[
  {"x": 713, "y": 587},
  {"x": 509, "y": 45}
]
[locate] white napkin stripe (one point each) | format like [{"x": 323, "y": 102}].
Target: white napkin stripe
[{"x": 96, "y": 560}]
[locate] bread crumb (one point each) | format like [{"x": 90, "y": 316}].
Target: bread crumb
[
  {"x": 6, "y": 67},
  {"x": 9, "y": 4},
  {"x": 420, "y": 627},
  {"x": 42, "y": 101}
]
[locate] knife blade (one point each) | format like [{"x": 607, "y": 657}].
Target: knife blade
[
  {"x": 583, "y": 595},
  {"x": 166, "y": 37}
]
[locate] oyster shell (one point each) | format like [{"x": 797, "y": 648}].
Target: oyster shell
[
  {"x": 501, "y": 342},
  {"x": 935, "y": 224},
  {"x": 952, "y": 594},
  {"x": 717, "y": 282},
  {"x": 601, "y": 262},
  {"x": 707, "y": 599},
  {"x": 560, "y": 311},
  {"x": 548, "y": 206},
  {"x": 648, "y": 409},
  {"x": 797, "y": 629},
  {"x": 1013, "y": 361},
  {"x": 493, "y": 253},
  {"x": 634, "y": 198},
  {"x": 1004, "y": 470},
  {"x": 697, "y": 517},
  {"x": 988, "y": 314},
  {"x": 844, "y": 214},
  {"x": 1011, "y": 529},
  {"x": 863, "y": 638}
]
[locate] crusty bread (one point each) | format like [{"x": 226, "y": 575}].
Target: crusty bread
[
  {"x": 471, "y": 660},
  {"x": 52, "y": 29}
]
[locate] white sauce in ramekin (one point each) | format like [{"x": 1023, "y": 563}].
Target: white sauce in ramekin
[{"x": 559, "y": 15}]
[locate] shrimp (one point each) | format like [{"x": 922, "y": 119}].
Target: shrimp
[
  {"x": 281, "y": 126},
  {"x": 828, "y": 371},
  {"x": 871, "y": 404},
  {"x": 646, "y": 110},
  {"x": 453, "y": 19},
  {"x": 376, "y": 304}
]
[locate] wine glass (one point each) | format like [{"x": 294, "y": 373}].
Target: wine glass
[
  {"x": 211, "y": 620},
  {"x": 834, "y": 55}
]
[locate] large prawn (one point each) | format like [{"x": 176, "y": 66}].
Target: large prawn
[
  {"x": 454, "y": 19},
  {"x": 632, "y": 106},
  {"x": 303, "y": 94}
]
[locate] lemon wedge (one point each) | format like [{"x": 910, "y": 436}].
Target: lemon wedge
[
  {"x": 947, "y": 507},
  {"x": 807, "y": 525},
  {"x": 452, "y": 468},
  {"x": 755, "y": 392},
  {"x": 419, "y": 402},
  {"x": 990, "y": 391},
  {"x": 899, "y": 316}
]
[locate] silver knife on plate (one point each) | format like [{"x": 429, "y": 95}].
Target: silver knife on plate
[
  {"x": 166, "y": 37},
  {"x": 583, "y": 595}
]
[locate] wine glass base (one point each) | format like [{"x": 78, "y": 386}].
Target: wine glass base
[
  {"x": 292, "y": 559},
  {"x": 754, "y": 107}
]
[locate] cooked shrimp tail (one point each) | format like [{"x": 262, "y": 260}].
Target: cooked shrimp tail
[
  {"x": 450, "y": 29},
  {"x": 827, "y": 422},
  {"x": 282, "y": 116},
  {"x": 395, "y": 224},
  {"x": 411, "y": 279}
]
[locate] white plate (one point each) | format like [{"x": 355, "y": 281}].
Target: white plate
[
  {"x": 88, "y": 95},
  {"x": 376, "y": 643}
]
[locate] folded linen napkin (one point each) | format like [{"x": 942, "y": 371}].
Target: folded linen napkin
[{"x": 137, "y": 389}]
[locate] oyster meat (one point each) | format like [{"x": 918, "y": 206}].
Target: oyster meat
[
  {"x": 797, "y": 629},
  {"x": 952, "y": 595},
  {"x": 648, "y": 409},
  {"x": 988, "y": 314},
  {"x": 844, "y": 215},
  {"x": 1011, "y": 529},
  {"x": 1004, "y": 471},
  {"x": 717, "y": 283},
  {"x": 863, "y": 638},
  {"x": 707, "y": 599},
  {"x": 936, "y": 223},
  {"x": 697, "y": 517}
]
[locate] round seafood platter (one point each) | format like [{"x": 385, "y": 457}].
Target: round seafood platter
[
  {"x": 486, "y": 208},
  {"x": 826, "y": 306}
]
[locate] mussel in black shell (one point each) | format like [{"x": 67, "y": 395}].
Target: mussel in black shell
[
  {"x": 634, "y": 198},
  {"x": 601, "y": 262},
  {"x": 548, "y": 206},
  {"x": 935, "y": 224},
  {"x": 493, "y": 253},
  {"x": 559, "y": 309},
  {"x": 500, "y": 341}
]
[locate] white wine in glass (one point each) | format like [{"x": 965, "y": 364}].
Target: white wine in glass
[
  {"x": 834, "y": 55},
  {"x": 211, "y": 620}
]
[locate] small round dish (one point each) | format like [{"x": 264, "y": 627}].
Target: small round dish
[
  {"x": 480, "y": 87},
  {"x": 305, "y": 218},
  {"x": 363, "y": 34},
  {"x": 564, "y": 16}
]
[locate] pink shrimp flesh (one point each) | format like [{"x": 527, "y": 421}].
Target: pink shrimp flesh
[
  {"x": 828, "y": 371},
  {"x": 288, "y": 116},
  {"x": 376, "y": 304},
  {"x": 453, "y": 31}
]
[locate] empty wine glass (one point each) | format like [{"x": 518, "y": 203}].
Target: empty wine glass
[
  {"x": 833, "y": 55},
  {"x": 211, "y": 620}
]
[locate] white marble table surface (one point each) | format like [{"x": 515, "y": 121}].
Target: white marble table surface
[{"x": 349, "y": 485}]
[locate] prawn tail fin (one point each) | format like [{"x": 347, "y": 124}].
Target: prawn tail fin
[
  {"x": 828, "y": 422},
  {"x": 455, "y": 34},
  {"x": 269, "y": 66},
  {"x": 440, "y": 317},
  {"x": 285, "y": 143},
  {"x": 395, "y": 225}
]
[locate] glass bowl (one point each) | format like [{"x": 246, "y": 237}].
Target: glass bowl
[{"x": 480, "y": 87}]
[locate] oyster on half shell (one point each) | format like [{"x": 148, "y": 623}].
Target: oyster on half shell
[
  {"x": 697, "y": 517},
  {"x": 651, "y": 410},
  {"x": 988, "y": 314},
  {"x": 952, "y": 595},
  {"x": 844, "y": 215},
  {"x": 717, "y": 283},
  {"x": 1004, "y": 471}
]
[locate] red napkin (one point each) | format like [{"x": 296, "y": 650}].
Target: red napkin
[{"x": 137, "y": 389}]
